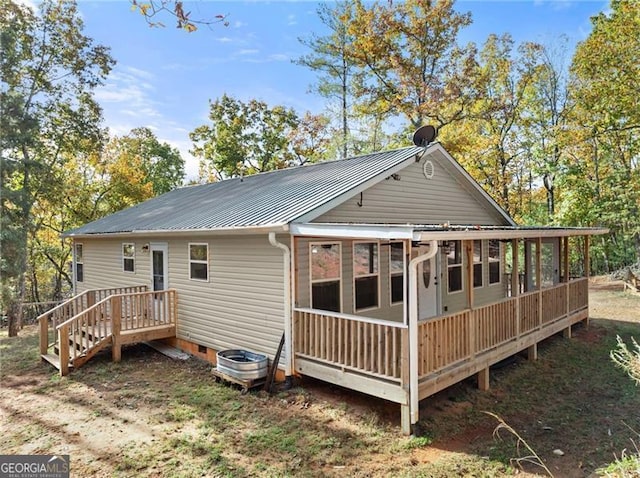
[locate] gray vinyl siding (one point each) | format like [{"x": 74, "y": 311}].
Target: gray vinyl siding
[
  {"x": 446, "y": 198},
  {"x": 385, "y": 311},
  {"x": 102, "y": 264},
  {"x": 240, "y": 306}
]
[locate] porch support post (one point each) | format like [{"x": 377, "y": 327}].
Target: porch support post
[
  {"x": 565, "y": 258},
  {"x": 587, "y": 259},
  {"x": 515, "y": 268},
  {"x": 532, "y": 352},
  {"x": 539, "y": 277},
  {"x": 468, "y": 247},
  {"x": 587, "y": 273},
  {"x": 405, "y": 408},
  {"x": 414, "y": 410}
]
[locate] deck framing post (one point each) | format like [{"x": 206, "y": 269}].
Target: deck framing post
[
  {"x": 44, "y": 335},
  {"x": 532, "y": 352},
  {"x": 116, "y": 316},
  {"x": 63, "y": 344},
  {"x": 484, "y": 379}
]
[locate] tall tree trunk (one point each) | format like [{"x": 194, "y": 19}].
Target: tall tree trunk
[{"x": 345, "y": 92}]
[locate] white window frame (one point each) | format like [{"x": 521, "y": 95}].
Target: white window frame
[
  {"x": 393, "y": 274},
  {"x": 375, "y": 274},
  {"x": 197, "y": 261},
  {"x": 75, "y": 261},
  {"x": 481, "y": 263},
  {"x": 318, "y": 281},
  {"x": 450, "y": 266},
  {"x": 491, "y": 260},
  {"x": 133, "y": 244}
]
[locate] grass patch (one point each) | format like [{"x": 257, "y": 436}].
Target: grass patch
[{"x": 573, "y": 398}]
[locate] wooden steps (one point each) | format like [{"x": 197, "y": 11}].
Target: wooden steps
[{"x": 71, "y": 336}]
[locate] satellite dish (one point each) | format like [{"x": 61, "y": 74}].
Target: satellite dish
[{"x": 425, "y": 135}]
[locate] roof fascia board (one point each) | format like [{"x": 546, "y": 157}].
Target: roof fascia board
[
  {"x": 280, "y": 228},
  {"x": 353, "y": 231},
  {"x": 474, "y": 183},
  {"x": 336, "y": 201},
  {"x": 505, "y": 234}
]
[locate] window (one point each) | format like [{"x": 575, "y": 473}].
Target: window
[
  {"x": 199, "y": 261},
  {"x": 478, "y": 280},
  {"x": 365, "y": 274},
  {"x": 396, "y": 271},
  {"x": 454, "y": 265},
  {"x": 79, "y": 264},
  {"x": 326, "y": 271},
  {"x": 129, "y": 257},
  {"x": 494, "y": 261}
]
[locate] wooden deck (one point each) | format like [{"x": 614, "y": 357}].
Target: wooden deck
[
  {"x": 372, "y": 356},
  {"x": 73, "y": 332}
]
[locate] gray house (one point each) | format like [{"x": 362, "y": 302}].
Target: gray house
[{"x": 393, "y": 274}]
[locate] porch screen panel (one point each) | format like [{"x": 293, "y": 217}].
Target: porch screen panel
[
  {"x": 396, "y": 270},
  {"x": 365, "y": 273},
  {"x": 494, "y": 261},
  {"x": 326, "y": 273},
  {"x": 454, "y": 266},
  {"x": 478, "y": 279}
]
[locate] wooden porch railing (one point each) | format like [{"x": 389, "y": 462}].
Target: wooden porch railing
[
  {"x": 369, "y": 346},
  {"x": 375, "y": 348},
  {"x": 50, "y": 320},
  {"x": 111, "y": 317},
  {"x": 458, "y": 337}
]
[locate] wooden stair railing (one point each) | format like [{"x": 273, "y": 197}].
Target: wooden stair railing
[{"x": 63, "y": 321}]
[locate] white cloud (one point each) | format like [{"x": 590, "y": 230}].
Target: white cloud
[
  {"x": 224, "y": 40},
  {"x": 279, "y": 57},
  {"x": 291, "y": 19},
  {"x": 239, "y": 24},
  {"x": 248, "y": 51},
  {"x": 127, "y": 93}
]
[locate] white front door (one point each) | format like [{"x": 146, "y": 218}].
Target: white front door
[
  {"x": 428, "y": 302},
  {"x": 159, "y": 265}
]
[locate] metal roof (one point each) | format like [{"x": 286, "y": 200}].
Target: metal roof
[{"x": 275, "y": 198}]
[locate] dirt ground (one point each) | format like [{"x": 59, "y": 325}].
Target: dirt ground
[{"x": 152, "y": 416}]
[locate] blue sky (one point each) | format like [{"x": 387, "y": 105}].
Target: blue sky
[{"x": 165, "y": 77}]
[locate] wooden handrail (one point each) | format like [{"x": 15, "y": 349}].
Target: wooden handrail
[
  {"x": 87, "y": 292},
  {"x": 77, "y": 306}
]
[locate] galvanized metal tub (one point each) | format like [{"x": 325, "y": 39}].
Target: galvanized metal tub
[{"x": 242, "y": 364}]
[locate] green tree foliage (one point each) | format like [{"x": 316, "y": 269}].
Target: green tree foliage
[
  {"x": 330, "y": 58},
  {"x": 605, "y": 121},
  {"x": 89, "y": 184},
  {"x": 489, "y": 141},
  {"x": 161, "y": 164},
  {"x": 411, "y": 63},
  {"x": 49, "y": 69},
  {"x": 249, "y": 138}
]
